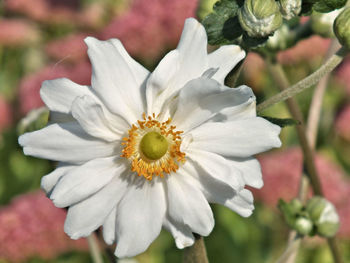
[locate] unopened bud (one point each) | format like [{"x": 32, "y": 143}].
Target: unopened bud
[
  {"x": 290, "y": 8},
  {"x": 303, "y": 225},
  {"x": 279, "y": 40},
  {"x": 323, "y": 215},
  {"x": 322, "y": 23},
  {"x": 260, "y": 18},
  {"x": 341, "y": 27},
  {"x": 34, "y": 120}
]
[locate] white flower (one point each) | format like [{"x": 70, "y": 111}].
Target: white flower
[{"x": 140, "y": 150}]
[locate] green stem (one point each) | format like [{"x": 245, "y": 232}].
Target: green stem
[
  {"x": 196, "y": 253},
  {"x": 94, "y": 249},
  {"x": 305, "y": 83}
]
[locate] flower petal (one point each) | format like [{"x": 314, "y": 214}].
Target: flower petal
[
  {"x": 109, "y": 227},
  {"x": 86, "y": 216},
  {"x": 49, "y": 181},
  {"x": 182, "y": 234},
  {"x": 187, "y": 62},
  {"x": 117, "y": 78},
  {"x": 225, "y": 58},
  {"x": 203, "y": 98},
  {"x": 139, "y": 217},
  {"x": 58, "y": 94},
  {"x": 250, "y": 169},
  {"x": 92, "y": 118},
  {"x": 218, "y": 167},
  {"x": 239, "y": 138},
  {"x": 241, "y": 203},
  {"x": 187, "y": 204},
  {"x": 86, "y": 180},
  {"x": 65, "y": 142}
]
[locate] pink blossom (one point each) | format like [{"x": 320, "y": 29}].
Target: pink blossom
[
  {"x": 151, "y": 26},
  {"x": 342, "y": 124},
  {"x": 343, "y": 74},
  {"x": 282, "y": 172},
  {"x": 30, "y": 85},
  {"x": 17, "y": 32},
  {"x": 32, "y": 226},
  {"x": 70, "y": 48},
  {"x": 5, "y": 114},
  {"x": 311, "y": 48}
]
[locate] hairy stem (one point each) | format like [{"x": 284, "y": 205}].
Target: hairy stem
[
  {"x": 94, "y": 249},
  {"x": 196, "y": 253},
  {"x": 305, "y": 83},
  {"x": 309, "y": 165}
]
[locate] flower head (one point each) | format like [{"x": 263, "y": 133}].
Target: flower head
[{"x": 140, "y": 150}]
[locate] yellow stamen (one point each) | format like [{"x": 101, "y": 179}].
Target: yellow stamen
[{"x": 153, "y": 147}]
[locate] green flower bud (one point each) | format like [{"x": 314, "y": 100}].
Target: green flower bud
[
  {"x": 34, "y": 120},
  {"x": 303, "y": 225},
  {"x": 259, "y": 18},
  {"x": 341, "y": 27},
  {"x": 279, "y": 40},
  {"x": 205, "y": 7},
  {"x": 322, "y": 23},
  {"x": 323, "y": 215},
  {"x": 290, "y": 8}
]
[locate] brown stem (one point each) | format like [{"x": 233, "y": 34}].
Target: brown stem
[{"x": 196, "y": 253}]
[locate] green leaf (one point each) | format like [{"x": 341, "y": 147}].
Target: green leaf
[
  {"x": 251, "y": 42},
  {"x": 222, "y": 25},
  {"x": 325, "y": 6},
  {"x": 281, "y": 122}
]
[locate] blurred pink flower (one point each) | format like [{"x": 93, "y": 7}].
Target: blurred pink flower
[
  {"x": 253, "y": 71},
  {"x": 5, "y": 114},
  {"x": 342, "y": 124},
  {"x": 52, "y": 11},
  {"x": 282, "y": 172},
  {"x": 70, "y": 48},
  {"x": 343, "y": 74},
  {"x": 29, "y": 87},
  {"x": 308, "y": 49},
  {"x": 17, "y": 32},
  {"x": 31, "y": 226},
  {"x": 151, "y": 26}
]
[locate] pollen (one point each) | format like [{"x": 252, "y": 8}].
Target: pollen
[{"x": 153, "y": 147}]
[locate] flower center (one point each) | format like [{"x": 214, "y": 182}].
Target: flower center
[{"x": 153, "y": 147}]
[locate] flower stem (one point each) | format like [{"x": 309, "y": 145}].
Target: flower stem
[
  {"x": 94, "y": 249},
  {"x": 196, "y": 253},
  {"x": 282, "y": 81},
  {"x": 305, "y": 83}
]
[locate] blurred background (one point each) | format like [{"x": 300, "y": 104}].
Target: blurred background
[{"x": 43, "y": 39}]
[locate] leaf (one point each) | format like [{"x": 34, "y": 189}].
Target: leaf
[
  {"x": 222, "y": 25},
  {"x": 282, "y": 122},
  {"x": 325, "y": 6}
]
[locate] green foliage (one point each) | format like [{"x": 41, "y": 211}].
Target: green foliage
[
  {"x": 341, "y": 27},
  {"x": 326, "y": 6},
  {"x": 281, "y": 122}
]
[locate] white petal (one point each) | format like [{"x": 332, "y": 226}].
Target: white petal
[
  {"x": 250, "y": 169},
  {"x": 86, "y": 216},
  {"x": 187, "y": 204},
  {"x": 239, "y": 138},
  {"x": 86, "y": 180},
  {"x": 117, "y": 78},
  {"x": 92, "y": 118},
  {"x": 58, "y": 94},
  {"x": 49, "y": 181},
  {"x": 218, "y": 167},
  {"x": 239, "y": 201},
  {"x": 58, "y": 117},
  {"x": 65, "y": 142},
  {"x": 109, "y": 227},
  {"x": 187, "y": 62},
  {"x": 203, "y": 98},
  {"x": 139, "y": 217},
  {"x": 182, "y": 234},
  {"x": 225, "y": 58}
]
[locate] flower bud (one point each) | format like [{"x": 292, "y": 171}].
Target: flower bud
[
  {"x": 322, "y": 23},
  {"x": 279, "y": 40},
  {"x": 323, "y": 215},
  {"x": 341, "y": 27},
  {"x": 34, "y": 120},
  {"x": 303, "y": 225},
  {"x": 290, "y": 8},
  {"x": 260, "y": 18}
]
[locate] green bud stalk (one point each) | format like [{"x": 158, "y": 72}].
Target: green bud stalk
[{"x": 260, "y": 18}]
